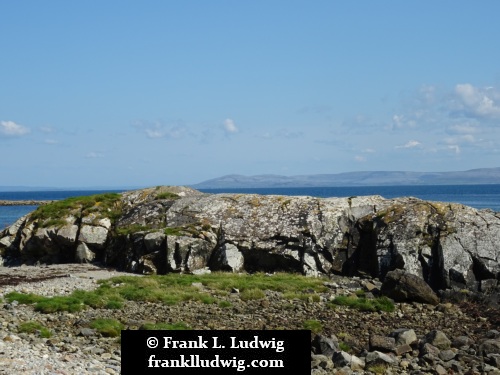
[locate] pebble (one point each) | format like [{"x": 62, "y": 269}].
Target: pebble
[{"x": 405, "y": 336}]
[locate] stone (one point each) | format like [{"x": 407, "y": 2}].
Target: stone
[
  {"x": 67, "y": 234},
  {"x": 438, "y": 339},
  {"x": 447, "y": 355},
  {"x": 489, "y": 346},
  {"x": 382, "y": 343},
  {"x": 404, "y": 336},
  {"x": 227, "y": 258},
  {"x": 83, "y": 254},
  {"x": 87, "y": 332},
  {"x": 402, "y": 349},
  {"x": 325, "y": 345},
  {"x": 461, "y": 341},
  {"x": 343, "y": 360},
  {"x": 440, "y": 370},
  {"x": 378, "y": 357},
  {"x": 321, "y": 361},
  {"x": 93, "y": 236},
  {"x": 153, "y": 241},
  {"x": 402, "y": 286}
]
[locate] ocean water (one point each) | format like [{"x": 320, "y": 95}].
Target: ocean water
[{"x": 478, "y": 196}]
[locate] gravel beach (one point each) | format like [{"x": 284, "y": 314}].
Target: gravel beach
[{"x": 74, "y": 348}]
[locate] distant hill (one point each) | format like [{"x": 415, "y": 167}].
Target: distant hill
[{"x": 376, "y": 178}]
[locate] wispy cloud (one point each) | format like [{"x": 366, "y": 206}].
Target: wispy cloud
[
  {"x": 476, "y": 102},
  {"x": 230, "y": 127},
  {"x": 46, "y": 129},
  {"x": 159, "y": 129},
  {"x": 51, "y": 141},
  {"x": 410, "y": 144},
  {"x": 94, "y": 155},
  {"x": 11, "y": 129}
]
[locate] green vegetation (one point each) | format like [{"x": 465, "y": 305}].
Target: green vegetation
[
  {"x": 172, "y": 289},
  {"x": 377, "y": 369},
  {"x": 181, "y": 326},
  {"x": 225, "y": 304},
  {"x": 130, "y": 229},
  {"x": 167, "y": 195},
  {"x": 252, "y": 294},
  {"x": 54, "y": 213},
  {"x": 107, "y": 327},
  {"x": 34, "y": 327},
  {"x": 344, "y": 347},
  {"x": 314, "y": 325},
  {"x": 364, "y": 304},
  {"x": 174, "y": 231}
]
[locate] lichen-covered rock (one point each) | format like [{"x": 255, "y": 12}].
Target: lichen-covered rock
[
  {"x": 93, "y": 236},
  {"x": 447, "y": 245}
]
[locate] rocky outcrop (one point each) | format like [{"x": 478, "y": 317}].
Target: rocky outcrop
[{"x": 178, "y": 229}]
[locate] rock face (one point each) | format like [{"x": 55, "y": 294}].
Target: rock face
[{"x": 178, "y": 229}]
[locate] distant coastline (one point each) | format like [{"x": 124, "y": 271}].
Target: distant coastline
[
  {"x": 24, "y": 202},
  {"x": 483, "y": 176}
]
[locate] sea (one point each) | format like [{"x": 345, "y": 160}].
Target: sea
[{"x": 477, "y": 196}]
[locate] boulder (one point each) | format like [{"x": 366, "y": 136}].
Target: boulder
[
  {"x": 227, "y": 258},
  {"x": 83, "y": 254},
  {"x": 402, "y": 286},
  {"x": 325, "y": 345},
  {"x": 438, "y": 339},
  {"x": 93, "y": 236},
  {"x": 444, "y": 244}
]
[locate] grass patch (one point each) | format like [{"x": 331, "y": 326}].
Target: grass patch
[
  {"x": 167, "y": 195},
  {"x": 252, "y": 294},
  {"x": 34, "y": 327},
  {"x": 344, "y": 347},
  {"x": 314, "y": 325},
  {"x": 24, "y": 299},
  {"x": 54, "y": 213},
  {"x": 225, "y": 304},
  {"x": 378, "y": 304},
  {"x": 172, "y": 289},
  {"x": 174, "y": 231},
  {"x": 107, "y": 327},
  {"x": 181, "y": 326}
]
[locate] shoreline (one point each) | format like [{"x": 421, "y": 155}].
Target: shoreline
[{"x": 30, "y": 202}]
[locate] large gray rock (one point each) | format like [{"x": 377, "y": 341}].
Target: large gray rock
[
  {"x": 402, "y": 286},
  {"x": 227, "y": 258},
  {"x": 93, "y": 236},
  {"x": 446, "y": 245}
]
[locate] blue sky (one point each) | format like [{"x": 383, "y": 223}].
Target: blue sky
[{"x": 144, "y": 93}]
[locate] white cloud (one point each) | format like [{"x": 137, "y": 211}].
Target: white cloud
[
  {"x": 94, "y": 155},
  {"x": 46, "y": 129},
  {"x": 401, "y": 121},
  {"x": 51, "y": 141},
  {"x": 463, "y": 129},
  {"x": 10, "y": 128},
  {"x": 478, "y": 102},
  {"x": 155, "y": 133},
  {"x": 454, "y": 148},
  {"x": 230, "y": 126},
  {"x": 410, "y": 144},
  {"x": 360, "y": 158},
  {"x": 160, "y": 130}
]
